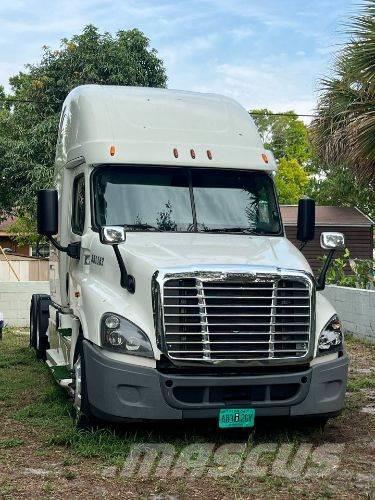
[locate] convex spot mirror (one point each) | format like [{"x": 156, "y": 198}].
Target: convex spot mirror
[
  {"x": 332, "y": 241},
  {"x": 112, "y": 235},
  {"x": 47, "y": 212}
]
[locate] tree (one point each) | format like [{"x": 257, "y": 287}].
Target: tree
[
  {"x": 285, "y": 135},
  {"x": 339, "y": 186},
  {"x": 344, "y": 132},
  {"x": 291, "y": 181},
  {"x": 23, "y": 231},
  {"x": 28, "y": 129}
]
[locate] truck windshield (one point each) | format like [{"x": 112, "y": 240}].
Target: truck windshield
[{"x": 181, "y": 199}]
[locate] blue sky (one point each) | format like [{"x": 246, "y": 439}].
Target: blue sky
[{"x": 268, "y": 53}]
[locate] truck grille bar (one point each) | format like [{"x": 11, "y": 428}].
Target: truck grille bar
[{"x": 228, "y": 320}]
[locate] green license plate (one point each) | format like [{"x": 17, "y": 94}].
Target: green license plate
[{"x": 233, "y": 417}]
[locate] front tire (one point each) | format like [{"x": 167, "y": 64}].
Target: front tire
[{"x": 82, "y": 412}]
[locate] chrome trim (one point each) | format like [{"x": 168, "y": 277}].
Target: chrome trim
[{"x": 224, "y": 273}]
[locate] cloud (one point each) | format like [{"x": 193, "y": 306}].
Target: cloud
[
  {"x": 241, "y": 33},
  {"x": 187, "y": 48},
  {"x": 262, "y": 53},
  {"x": 268, "y": 85}
]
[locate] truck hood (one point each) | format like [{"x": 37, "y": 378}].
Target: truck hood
[{"x": 178, "y": 250}]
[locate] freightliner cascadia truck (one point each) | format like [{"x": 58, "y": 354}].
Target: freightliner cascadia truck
[{"x": 174, "y": 292}]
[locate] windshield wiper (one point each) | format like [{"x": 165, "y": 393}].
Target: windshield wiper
[
  {"x": 243, "y": 230},
  {"x": 227, "y": 230},
  {"x": 144, "y": 227}
]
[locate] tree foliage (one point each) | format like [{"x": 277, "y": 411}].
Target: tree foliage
[
  {"x": 23, "y": 231},
  {"x": 339, "y": 186},
  {"x": 28, "y": 130},
  {"x": 291, "y": 181},
  {"x": 344, "y": 132},
  {"x": 287, "y": 137}
]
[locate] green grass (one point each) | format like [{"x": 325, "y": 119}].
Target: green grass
[
  {"x": 30, "y": 397},
  {"x": 10, "y": 443},
  {"x": 356, "y": 384},
  {"x": 37, "y": 417}
]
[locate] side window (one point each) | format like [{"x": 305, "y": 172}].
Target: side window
[{"x": 78, "y": 205}]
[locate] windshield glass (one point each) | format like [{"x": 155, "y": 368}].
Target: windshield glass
[{"x": 181, "y": 199}]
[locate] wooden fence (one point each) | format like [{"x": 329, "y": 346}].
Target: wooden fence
[{"x": 27, "y": 269}]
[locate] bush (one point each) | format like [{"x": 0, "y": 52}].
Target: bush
[{"x": 345, "y": 271}]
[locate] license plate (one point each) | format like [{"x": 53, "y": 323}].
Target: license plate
[{"x": 233, "y": 417}]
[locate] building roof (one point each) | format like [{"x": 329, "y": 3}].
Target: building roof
[
  {"x": 4, "y": 225},
  {"x": 328, "y": 216}
]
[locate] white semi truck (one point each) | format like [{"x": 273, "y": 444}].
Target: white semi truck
[{"x": 174, "y": 291}]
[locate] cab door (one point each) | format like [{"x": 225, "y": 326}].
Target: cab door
[{"x": 77, "y": 230}]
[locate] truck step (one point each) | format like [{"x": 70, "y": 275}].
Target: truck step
[
  {"x": 65, "y": 332},
  {"x": 55, "y": 358},
  {"x": 61, "y": 372}
]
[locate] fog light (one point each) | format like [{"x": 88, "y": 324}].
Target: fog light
[{"x": 112, "y": 322}]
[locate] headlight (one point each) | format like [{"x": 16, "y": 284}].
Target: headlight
[
  {"x": 331, "y": 337},
  {"x": 120, "y": 334}
]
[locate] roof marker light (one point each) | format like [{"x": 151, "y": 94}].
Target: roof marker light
[
  {"x": 112, "y": 150},
  {"x": 209, "y": 154},
  {"x": 175, "y": 152},
  {"x": 192, "y": 153},
  {"x": 265, "y": 158}
]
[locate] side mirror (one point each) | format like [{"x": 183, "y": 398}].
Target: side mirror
[
  {"x": 47, "y": 212},
  {"x": 332, "y": 241},
  {"x": 329, "y": 241},
  {"x": 306, "y": 220},
  {"x": 112, "y": 235}
]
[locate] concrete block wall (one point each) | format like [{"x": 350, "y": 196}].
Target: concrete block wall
[
  {"x": 15, "y": 300},
  {"x": 356, "y": 308}
]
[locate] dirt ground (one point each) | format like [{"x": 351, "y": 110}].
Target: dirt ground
[{"x": 42, "y": 454}]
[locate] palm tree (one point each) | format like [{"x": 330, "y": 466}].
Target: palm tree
[{"x": 344, "y": 131}]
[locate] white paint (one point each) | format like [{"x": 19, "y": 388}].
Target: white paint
[
  {"x": 15, "y": 300},
  {"x": 356, "y": 309},
  {"x": 145, "y": 125}
]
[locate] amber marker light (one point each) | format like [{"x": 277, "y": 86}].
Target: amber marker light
[
  {"x": 112, "y": 151},
  {"x": 265, "y": 158}
]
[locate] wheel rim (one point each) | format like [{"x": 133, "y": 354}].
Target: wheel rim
[
  {"x": 37, "y": 336},
  {"x": 32, "y": 332},
  {"x": 78, "y": 384}
]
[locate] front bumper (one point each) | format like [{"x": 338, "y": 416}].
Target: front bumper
[{"x": 120, "y": 391}]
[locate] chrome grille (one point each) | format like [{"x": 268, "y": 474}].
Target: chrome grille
[{"x": 216, "y": 320}]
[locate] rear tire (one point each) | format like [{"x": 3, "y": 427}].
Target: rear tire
[
  {"x": 33, "y": 320},
  {"x": 42, "y": 326},
  {"x": 39, "y": 318}
]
